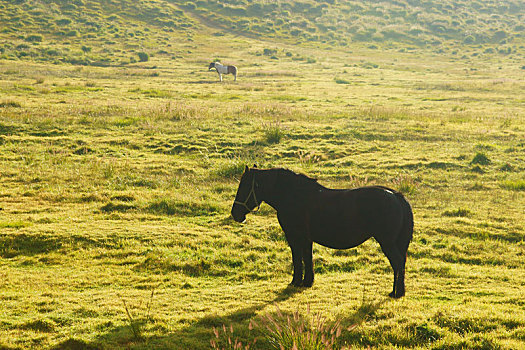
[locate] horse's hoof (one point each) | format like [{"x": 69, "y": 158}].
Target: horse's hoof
[
  {"x": 296, "y": 284},
  {"x": 396, "y": 296},
  {"x": 307, "y": 284}
]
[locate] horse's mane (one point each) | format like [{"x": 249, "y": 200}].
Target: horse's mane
[{"x": 305, "y": 180}]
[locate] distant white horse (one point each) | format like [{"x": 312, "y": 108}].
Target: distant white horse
[{"x": 221, "y": 69}]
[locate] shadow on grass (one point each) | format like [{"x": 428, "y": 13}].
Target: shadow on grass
[
  {"x": 12, "y": 245},
  {"x": 204, "y": 82},
  {"x": 195, "y": 335}
]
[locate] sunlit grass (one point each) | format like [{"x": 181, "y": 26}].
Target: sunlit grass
[{"x": 116, "y": 181}]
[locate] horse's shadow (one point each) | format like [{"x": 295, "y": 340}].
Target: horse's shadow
[
  {"x": 203, "y": 82},
  {"x": 197, "y": 335},
  {"x": 209, "y": 82}
]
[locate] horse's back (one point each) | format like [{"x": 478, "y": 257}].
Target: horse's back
[{"x": 346, "y": 218}]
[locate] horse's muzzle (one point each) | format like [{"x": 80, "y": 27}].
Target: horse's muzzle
[{"x": 238, "y": 214}]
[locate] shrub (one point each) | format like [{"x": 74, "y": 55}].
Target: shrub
[
  {"x": 469, "y": 40},
  {"x": 143, "y": 57},
  {"x": 342, "y": 81},
  {"x": 34, "y": 38},
  {"x": 190, "y": 5},
  {"x": 63, "y": 22},
  {"x": 269, "y": 52}
]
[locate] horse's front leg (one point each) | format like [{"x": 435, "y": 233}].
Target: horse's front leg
[
  {"x": 297, "y": 259},
  {"x": 308, "y": 265},
  {"x": 220, "y": 76}
]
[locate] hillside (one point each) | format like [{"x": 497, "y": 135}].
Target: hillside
[
  {"x": 341, "y": 22},
  {"x": 91, "y": 32},
  {"x": 95, "y": 32}
]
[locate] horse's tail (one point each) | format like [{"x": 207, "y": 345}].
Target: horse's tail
[{"x": 407, "y": 229}]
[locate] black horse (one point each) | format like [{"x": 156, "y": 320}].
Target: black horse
[{"x": 339, "y": 219}]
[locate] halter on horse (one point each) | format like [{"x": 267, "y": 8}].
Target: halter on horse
[{"x": 222, "y": 69}]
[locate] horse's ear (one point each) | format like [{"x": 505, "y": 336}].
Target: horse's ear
[
  {"x": 246, "y": 169},
  {"x": 255, "y": 166}
]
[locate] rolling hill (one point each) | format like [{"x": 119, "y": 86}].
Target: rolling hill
[{"x": 96, "y": 32}]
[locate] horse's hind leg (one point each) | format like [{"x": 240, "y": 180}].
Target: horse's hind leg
[
  {"x": 402, "y": 247},
  {"x": 397, "y": 261}
]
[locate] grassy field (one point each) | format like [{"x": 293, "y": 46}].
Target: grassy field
[{"x": 116, "y": 185}]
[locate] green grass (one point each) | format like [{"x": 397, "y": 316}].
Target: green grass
[
  {"x": 516, "y": 185},
  {"x": 117, "y": 178}
]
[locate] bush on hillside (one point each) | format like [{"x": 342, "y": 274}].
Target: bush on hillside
[{"x": 143, "y": 57}]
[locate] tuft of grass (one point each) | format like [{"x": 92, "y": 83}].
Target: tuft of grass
[
  {"x": 118, "y": 207},
  {"x": 481, "y": 159},
  {"x": 224, "y": 339},
  {"x": 355, "y": 181},
  {"x": 123, "y": 197},
  {"x": 507, "y": 167},
  {"x": 342, "y": 81},
  {"x": 296, "y": 331},
  {"x": 406, "y": 184},
  {"x": 424, "y": 333},
  {"x": 460, "y": 212},
  {"x": 273, "y": 134},
  {"x": 136, "y": 324},
  {"x": 231, "y": 169},
  {"x": 477, "y": 169},
  {"x": 168, "y": 206},
  {"x": 6, "y": 104}
]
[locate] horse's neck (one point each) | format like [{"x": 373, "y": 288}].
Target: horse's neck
[{"x": 290, "y": 189}]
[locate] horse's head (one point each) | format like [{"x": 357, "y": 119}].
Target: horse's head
[
  {"x": 212, "y": 65},
  {"x": 246, "y": 199}
]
